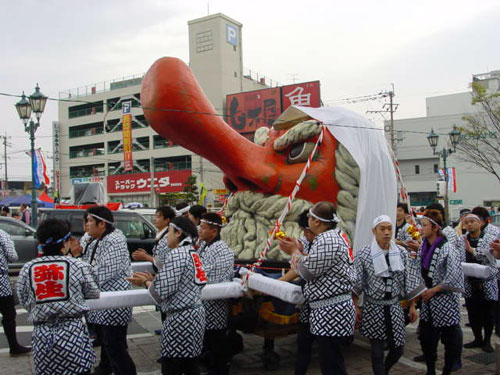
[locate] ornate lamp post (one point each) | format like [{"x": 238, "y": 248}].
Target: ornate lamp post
[
  {"x": 433, "y": 138},
  {"x": 36, "y": 104}
]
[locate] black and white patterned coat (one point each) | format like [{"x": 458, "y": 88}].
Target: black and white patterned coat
[
  {"x": 177, "y": 288},
  {"x": 443, "y": 309},
  {"x": 7, "y": 254},
  {"x": 110, "y": 261},
  {"x": 160, "y": 251},
  {"x": 53, "y": 289},
  {"x": 218, "y": 263},
  {"x": 329, "y": 273},
  {"x": 482, "y": 255},
  {"x": 455, "y": 241},
  {"x": 400, "y": 285}
]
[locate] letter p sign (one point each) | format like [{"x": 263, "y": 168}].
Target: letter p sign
[{"x": 232, "y": 35}]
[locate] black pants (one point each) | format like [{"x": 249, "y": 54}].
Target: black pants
[
  {"x": 218, "y": 350},
  {"x": 8, "y": 311},
  {"x": 481, "y": 316},
  {"x": 114, "y": 350},
  {"x": 451, "y": 337},
  {"x": 179, "y": 366},
  {"x": 331, "y": 359},
  {"x": 378, "y": 365},
  {"x": 305, "y": 341}
]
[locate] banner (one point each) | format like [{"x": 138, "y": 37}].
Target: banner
[
  {"x": 164, "y": 182},
  {"x": 40, "y": 169},
  {"x": 127, "y": 136},
  {"x": 57, "y": 158},
  {"x": 452, "y": 178}
]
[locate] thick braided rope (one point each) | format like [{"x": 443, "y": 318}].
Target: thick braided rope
[{"x": 288, "y": 205}]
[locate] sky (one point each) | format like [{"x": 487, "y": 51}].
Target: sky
[{"x": 354, "y": 48}]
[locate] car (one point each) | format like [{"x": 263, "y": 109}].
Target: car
[
  {"x": 148, "y": 213},
  {"x": 24, "y": 238},
  {"x": 495, "y": 220},
  {"x": 139, "y": 231}
]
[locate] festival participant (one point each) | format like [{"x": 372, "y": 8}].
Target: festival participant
[
  {"x": 195, "y": 213},
  {"x": 443, "y": 277},
  {"x": 5, "y": 211},
  {"x": 459, "y": 229},
  {"x": 110, "y": 261},
  {"x": 329, "y": 273},
  {"x": 182, "y": 208},
  {"x": 53, "y": 289},
  {"x": 305, "y": 338},
  {"x": 7, "y": 303},
  {"x": 384, "y": 272},
  {"x": 218, "y": 263},
  {"x": 495, "y": 248},
  {"x": 449, "y": 232},
  {"x": 163, "y": 216},
  {"x": 177, "y": 288},
  {"x": 401, "y": 232},
  {"x": 481, "y": 295}
]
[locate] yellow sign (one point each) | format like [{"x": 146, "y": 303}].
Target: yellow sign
[{"x": 220, "y": 191}]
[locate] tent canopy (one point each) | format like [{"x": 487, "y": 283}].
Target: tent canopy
[{"x": 26, "y": 199}]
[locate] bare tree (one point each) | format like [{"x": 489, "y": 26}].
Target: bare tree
[{"x": 480, "y": 140}]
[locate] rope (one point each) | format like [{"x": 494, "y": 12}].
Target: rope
[{"x": 286, "y": 209}]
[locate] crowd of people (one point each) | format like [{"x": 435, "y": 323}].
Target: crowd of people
[{"x": 410, "y": 271}]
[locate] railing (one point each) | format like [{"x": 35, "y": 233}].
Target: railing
[
  {"x": 85, "y": 132},
  {"x": 84, "y": 112},
  {"x": 176, "y": 165},
  {"x": 163, "y": 143},
  {"x": 85, "y": 153},
  {"x": 99, "y": 87},
  {"x": 86, "y": 173},
  {"x": 260, "y": 78}
]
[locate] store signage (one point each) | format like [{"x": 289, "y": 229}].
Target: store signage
[
  {"x": 231, "y": 34},
  {"x": 128, "y": 164},
  {"x": 83, "y": 180},
  {"x": 164, "y": 182}
]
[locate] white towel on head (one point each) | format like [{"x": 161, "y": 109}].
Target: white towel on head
[{"x": 379, "y": 262}]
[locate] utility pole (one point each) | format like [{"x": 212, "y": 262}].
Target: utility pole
[
  {"x": 152, "y": 179},
  {"x": 390, "y": 108},
  {"x": 5, "y": 145}
]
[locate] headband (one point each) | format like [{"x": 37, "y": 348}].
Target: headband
[
  {"x": 182, "y": 211},
  {"x": 102, "y": 219},
  {"x": 381, "y": 219},
  {"x": 333, "y": 220},
  {"x": 465, "y": 213},
  {"x": 431, "y": 220},
  {"x": 176, "y": 227},
  {"x": 211, "y": 223},
  {"x": 50, "y": 241},
  {"x": 472, "y": 216}
]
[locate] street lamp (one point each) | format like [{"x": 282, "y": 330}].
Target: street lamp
[
  {"x": 36, "y": 104},
  {"x": 433, "y": 139}
]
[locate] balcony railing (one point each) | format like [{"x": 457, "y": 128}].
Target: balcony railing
[
  {"x": 85, "y": 153},
  {"x": 85, "y": 132}
]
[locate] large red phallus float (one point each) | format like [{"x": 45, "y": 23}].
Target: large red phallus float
[{"x": 261, "y": 175}]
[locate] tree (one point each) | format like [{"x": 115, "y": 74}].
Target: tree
[
  {"x": 479, "y": 142},
  {"x": 191, "y": 189}
]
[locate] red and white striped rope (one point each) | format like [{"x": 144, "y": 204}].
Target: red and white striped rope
[{"x": 288, "y": 205}]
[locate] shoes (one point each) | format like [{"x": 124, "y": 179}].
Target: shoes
[
  {"x": 419, "y": 358},
  {"x": 457, "y": 366},
  {"x": 473, "y": 344},
  {"x": 101, "y": 371},
  {"x": 487, "y": 347},
  {"x": 19, "y": 350}
]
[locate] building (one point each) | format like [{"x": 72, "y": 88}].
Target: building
[
  {"x": 419, "y": 167},
  {"x": 88, "y": 138}
]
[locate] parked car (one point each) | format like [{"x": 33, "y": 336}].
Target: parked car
[
  {"x": 148, "y": 213},
  {"x": 24, "y": 238},
  {"x": 140, "y": 232}
]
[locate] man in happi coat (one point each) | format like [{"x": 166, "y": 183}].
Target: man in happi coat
[{"x": 385, "y": 274}]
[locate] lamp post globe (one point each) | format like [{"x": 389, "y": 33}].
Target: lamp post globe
[
  {"x": 454, "y": 136},
  {"x": 433, "y": 138},
  {"x": 23, "y": 108}
]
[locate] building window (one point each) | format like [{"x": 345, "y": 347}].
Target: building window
[
  {"x": 204, "y": 41},
  {"x": 435, "y": 168},
  {"x": 85, "y": 109},
  {"x": 417, "y": 169}
]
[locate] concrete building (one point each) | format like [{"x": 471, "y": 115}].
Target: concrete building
[
  {"x": 88, "y": 144},
  {"x": 419, "y": 167}
]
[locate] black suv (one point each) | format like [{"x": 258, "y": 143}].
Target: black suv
[{"x": 140, "y": 232}]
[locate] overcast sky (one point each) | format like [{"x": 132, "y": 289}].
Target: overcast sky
[{"x": 354, "y": 48}]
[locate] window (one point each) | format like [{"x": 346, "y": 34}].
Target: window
[
  {"x": 435, "y": 168},
  {"x": 12, "y": 229},
  {"x": 417, "y": 169},
  {"x": 85, "y": 109},
  {"x": 204, "y": 41}
]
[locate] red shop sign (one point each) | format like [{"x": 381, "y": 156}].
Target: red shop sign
[{"x": 165, "y": 182}]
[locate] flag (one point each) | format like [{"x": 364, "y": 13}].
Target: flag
[
  {"x": 40, "y": 168},
  {"x": 452, "y": 178},
  {"x": 203, "y": 194}
]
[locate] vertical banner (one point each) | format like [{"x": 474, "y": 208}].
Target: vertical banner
[
  {"x": 57, "y": 158},
  {"x": 127, "y": 136},
  {"x": 452, "y": 178}
]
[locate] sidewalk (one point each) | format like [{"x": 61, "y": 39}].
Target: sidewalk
[{"x": 144, "y": 349}]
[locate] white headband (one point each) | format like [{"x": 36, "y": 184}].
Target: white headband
[
  {"x": 472, "y": 216},
  {"x": 333, "y": 220},
  {"x": 176, "y": 227},
  {"x": 381, "y": 219},
  {"x": 182, "y": 211},
  {"x": 102, "y": 219},
  {"x": 211, "y": 223},
  {"x": 432, "y": 221}
]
